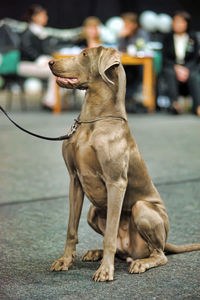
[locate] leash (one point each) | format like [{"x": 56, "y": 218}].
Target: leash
[
  {"x": 63, "y": 137},
  {"x": 60, "y": 138}
]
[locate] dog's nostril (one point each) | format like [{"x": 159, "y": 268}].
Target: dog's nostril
[{"x": 51, "y": 63}]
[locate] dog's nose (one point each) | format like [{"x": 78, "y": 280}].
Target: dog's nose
[{"x": 51, "y": 63}]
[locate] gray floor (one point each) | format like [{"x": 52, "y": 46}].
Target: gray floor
[{"x": 34, "y": 210}]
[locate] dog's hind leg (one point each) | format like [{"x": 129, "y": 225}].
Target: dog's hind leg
[{"x": 152, "y": 225}]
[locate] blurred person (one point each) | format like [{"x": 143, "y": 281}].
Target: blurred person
[
  {"x": 34, "y": 59},
  {"x": 136, "y": 37},
  {"x": 32, "y": 40},
  {"x": 180, "y": 61},
  {"x": 131, "y": 33},
  {"x": 90, "y": 36}
]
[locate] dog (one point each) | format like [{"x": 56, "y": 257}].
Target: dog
[{"x": 105, "y": 164}]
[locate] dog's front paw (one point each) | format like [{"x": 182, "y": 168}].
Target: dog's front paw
[
  {"x": 104, "y": 273},
  {"x": 62, "y": 264}
]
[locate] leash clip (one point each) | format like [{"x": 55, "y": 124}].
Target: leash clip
[{"x": 74, "y": 126}]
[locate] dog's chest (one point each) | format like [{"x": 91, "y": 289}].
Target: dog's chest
[
  {"x": 90, "y": 174},
  {"x": 93, "y": 187}
]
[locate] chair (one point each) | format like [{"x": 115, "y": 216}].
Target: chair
[{"x": 8, "y": 71}]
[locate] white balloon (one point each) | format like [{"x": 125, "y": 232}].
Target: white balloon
[
  {"x": 115, "y": 24},
  {"x": 164, "y": 23},
  {"x": 107, "y": 36},
  {"x": 149, "y": 20},
  {"x": 33, "y": 85}
]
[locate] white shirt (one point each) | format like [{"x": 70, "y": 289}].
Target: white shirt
[{"x": 180, "y": 45}]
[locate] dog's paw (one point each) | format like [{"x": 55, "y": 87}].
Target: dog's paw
[
  {"x": 104, "y": 273},
  {"x": 92, "y": 255},
  {"x": 137, "y": 267},
  {"x": 62, "y": 264}
]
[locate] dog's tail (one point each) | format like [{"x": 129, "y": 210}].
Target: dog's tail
[{"x": 175, "y": 249}]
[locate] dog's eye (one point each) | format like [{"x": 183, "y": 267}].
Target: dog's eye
[{"x": 84, "y": 53}]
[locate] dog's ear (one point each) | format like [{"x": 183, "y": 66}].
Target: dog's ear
[{"x": 108, "y": 58}]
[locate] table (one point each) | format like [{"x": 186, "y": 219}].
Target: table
[{"x": 148, "y": 80}]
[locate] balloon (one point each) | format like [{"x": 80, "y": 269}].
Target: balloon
[
  {"x": 33, "y": 85},
  {"x": 149, "y": 20},
  {"x": 107, "y": 35},
  {"x": 164, "y": 23},
  {"x": 115, "y": 25}
]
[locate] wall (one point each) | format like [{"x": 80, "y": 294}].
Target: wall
[{"x": 69, "y": 14}]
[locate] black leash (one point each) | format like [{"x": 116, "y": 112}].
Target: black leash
[
  {"x": 60, "y": 138},
  {"x": 63, "y": 137}
]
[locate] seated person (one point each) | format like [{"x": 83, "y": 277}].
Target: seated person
[
  {"x": 90, "y": 36},
  {"x": 133, "y": 35},
  {"x": 34, "y": 60},
  {"x": 180, "y": 61},
  {"x": 32, "y": 39}
]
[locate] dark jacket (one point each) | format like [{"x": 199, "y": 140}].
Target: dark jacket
[
  {"x": 9, "y": 40},
  {"x": 31, "y": 46},
  {"x": 191, "y": 56}
]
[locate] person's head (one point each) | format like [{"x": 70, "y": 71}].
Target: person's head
[
  {"x": 36, "y": 14},
  {"x": 91, "y": 28},
  {"x": 181, "y": 22},
  {"x": 131, "y": 22}
]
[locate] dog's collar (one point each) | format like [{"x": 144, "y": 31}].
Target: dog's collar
[{"x": 78, "y": 121}]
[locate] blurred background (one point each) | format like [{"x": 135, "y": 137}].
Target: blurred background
[
  {"x": 161, "y": 56},
  {"x": 71, "y": 14},
  {"x": 27, "y": 45}
]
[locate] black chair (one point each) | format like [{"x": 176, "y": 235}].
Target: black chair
[{"x": 9, "y": 82}]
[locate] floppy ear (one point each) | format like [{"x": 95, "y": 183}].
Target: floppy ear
[{"x": 108, "y": 57}]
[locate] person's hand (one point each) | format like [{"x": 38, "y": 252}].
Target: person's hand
[{"x": 182, "y": 73}]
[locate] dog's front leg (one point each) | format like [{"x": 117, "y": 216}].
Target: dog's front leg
[
  {"x": 116, "y": 193},
  {"x": 76, "y": 196}
]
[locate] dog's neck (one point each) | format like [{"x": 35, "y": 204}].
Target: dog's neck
[{"x": 103, "y": 99}]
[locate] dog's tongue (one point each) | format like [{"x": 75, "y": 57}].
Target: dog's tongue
[{"x": 67, "y": 80}]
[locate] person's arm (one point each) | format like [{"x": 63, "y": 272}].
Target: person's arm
[
  {"x": 192, "y": 59},
  {"x": 167, "y": 55}
]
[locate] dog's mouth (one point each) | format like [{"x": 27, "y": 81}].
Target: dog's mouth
[
  {"x": 67, "y": 80},
  {"x": 71, "y": 83}
]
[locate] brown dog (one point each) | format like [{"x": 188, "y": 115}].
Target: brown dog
[{"x": 104, "y": 163}]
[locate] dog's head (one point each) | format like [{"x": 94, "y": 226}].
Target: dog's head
[{"x": 90, "y": 66}]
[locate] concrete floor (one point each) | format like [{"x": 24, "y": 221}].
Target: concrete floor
[{"x": 34, "y": 211}]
